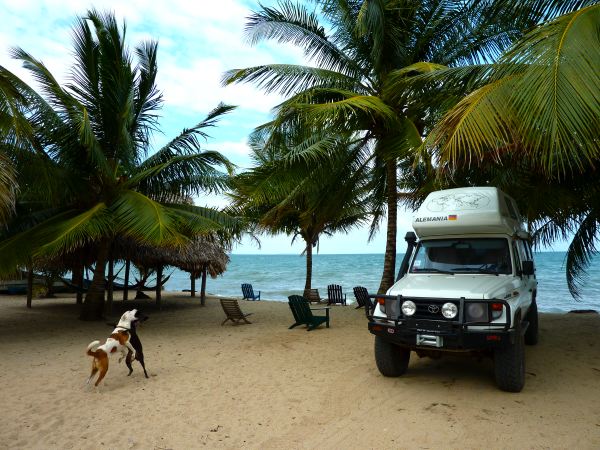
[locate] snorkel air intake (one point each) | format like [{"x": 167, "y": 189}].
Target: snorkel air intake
[{"x": 411, "y": 241}]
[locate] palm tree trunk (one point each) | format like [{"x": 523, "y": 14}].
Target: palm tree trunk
[
  {"x": 29, "y": 285},
  {"x": 309, "y": 261},
  {"x": 192, "y": 284},
  {"x": 203, "y": 287},
  {"x": 93, "y": 305},
  {"x": 389, "y": 262},
  {"x": 78, "y": 281},
  {"x": 126, "y": 287}
]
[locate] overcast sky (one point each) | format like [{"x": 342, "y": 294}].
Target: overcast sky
[{"x": 198, "y": 42}]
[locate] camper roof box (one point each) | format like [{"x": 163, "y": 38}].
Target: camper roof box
[{"x": 472, "y": 210}]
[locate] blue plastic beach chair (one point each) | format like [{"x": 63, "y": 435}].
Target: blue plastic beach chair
[{"x": 248, "y": 292}]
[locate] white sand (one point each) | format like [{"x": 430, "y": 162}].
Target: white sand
[{"x": 262, "y": 386}]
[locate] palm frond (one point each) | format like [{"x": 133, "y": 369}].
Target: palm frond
[
  {"x": 288, "y": 79},
  {"x": 475, "y": 125},
  {"x": 58, "y": 235},
  {"x": 581, "y": 251},
  {"x": 182, "y": 176},
  {"x": 203, "y": 220},
  {"x": 145, "y": 220},
  {"x": 545, "y": 99},
  {"x": 350, "y": 108},
  {"x": 293, "y": 23},
  {"x": 8, "y": 188}
]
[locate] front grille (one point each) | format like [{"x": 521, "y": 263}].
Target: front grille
[
  {"x": 430, "y": 310},
  {"x": 426, "y": 309}
]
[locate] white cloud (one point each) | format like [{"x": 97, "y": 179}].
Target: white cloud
[{"x": 198, "y": 42}]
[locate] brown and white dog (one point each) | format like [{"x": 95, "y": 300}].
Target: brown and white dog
[{"x": 118, "y": 341}]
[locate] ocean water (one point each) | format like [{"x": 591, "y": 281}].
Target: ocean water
[{"x": 278, "y": 276}]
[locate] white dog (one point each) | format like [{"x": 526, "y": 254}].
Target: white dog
[{"x": 118, "y": 341}]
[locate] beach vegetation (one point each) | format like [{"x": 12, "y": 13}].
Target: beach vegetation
[
  {"x": 532, "y": 130},
  {"x": 304, "y": 198},
  {"x": 363, "y": 77},
  {"x": 86, "y": 171}
]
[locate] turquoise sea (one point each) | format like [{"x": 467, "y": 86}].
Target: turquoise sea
[{"x": 278, "y": 276}]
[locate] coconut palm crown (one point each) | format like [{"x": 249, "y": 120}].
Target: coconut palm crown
[
  {"x": 363, "y": 60},
  {"x": 86, "y": 176},
  {"x": 536, "y": 117}
]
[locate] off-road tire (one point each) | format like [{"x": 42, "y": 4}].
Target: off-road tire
[
  {"x": 392, "y": 360},
  {"x": 509, "y": 363},
  {"x": 531, "y": 335}
]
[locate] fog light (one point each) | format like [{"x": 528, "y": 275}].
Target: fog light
[
  {"x": 477, "y": 312},
  {"x": 449, "y": 310},
  {"x": 409, "y": 308}
]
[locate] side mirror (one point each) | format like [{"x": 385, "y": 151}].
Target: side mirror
[{"x": 527, "y": 268}]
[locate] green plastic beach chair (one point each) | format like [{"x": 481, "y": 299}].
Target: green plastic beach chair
[{"x": 303, "y": 313}]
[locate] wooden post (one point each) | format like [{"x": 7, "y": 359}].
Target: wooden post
[
  {"x": 110, "y": 290},
  {"x": 193, "y": 284},
  {"x": 159, "y": 271},
  {"x": 29, "y": 285},
  {"x": 126, "y": 287},
  {"x": 203, "y": 288}
]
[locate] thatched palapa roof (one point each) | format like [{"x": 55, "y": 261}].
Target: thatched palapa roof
[{"x": 199, "y": 253}]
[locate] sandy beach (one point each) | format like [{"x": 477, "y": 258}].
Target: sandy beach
[{"x": 262, "y": 386}]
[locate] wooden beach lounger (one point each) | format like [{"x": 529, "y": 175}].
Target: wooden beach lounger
[
  {"x": 233, "y": 311},
  {"x": 303, "y": 313},
  {"x": 312, "y": 295},
  {"x": 334, "y": 295},
  {"x": 248, "y": 292},
  {"x": 362, "y": 296}
]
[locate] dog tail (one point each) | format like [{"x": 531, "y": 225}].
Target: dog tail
[{"x": 91, "y": 349}]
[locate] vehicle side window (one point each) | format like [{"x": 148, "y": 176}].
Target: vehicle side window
[
  {"x": 524, "y": 251},
  {"x": 529, "y": 252},
  {"x": 517, "y": 258}
]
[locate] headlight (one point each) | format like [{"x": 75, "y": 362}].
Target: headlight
[
  {"x": 449, "y": 310},
  {"x": 477, "y": 312},
  {"x": 409, "y": 308}
]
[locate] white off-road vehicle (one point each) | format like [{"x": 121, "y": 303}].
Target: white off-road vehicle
[{"x": 467, "y": 284}]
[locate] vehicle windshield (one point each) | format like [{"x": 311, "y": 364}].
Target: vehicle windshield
[{"x": 464, "y": 255}]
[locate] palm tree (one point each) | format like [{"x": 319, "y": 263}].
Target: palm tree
[
  {"x": 537, "y": 114},
  {"x": 87, "y": 177},
  {"x": 361, "y": 80},
  {"x": 303, "y": 198}
]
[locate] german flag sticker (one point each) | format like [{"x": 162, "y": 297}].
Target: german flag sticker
[{"x": 452, "y": 217}]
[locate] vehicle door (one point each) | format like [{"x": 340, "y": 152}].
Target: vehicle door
[{"x": 528, "y": 283}]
